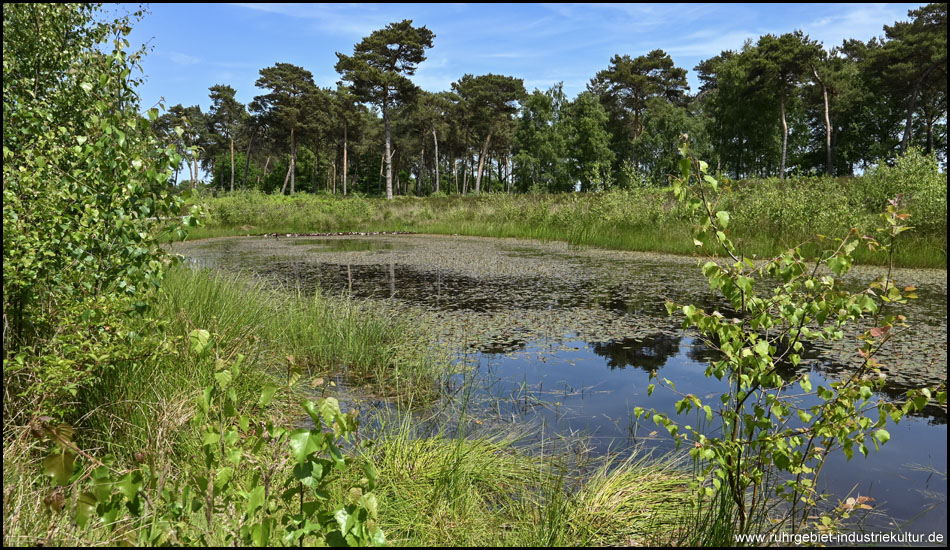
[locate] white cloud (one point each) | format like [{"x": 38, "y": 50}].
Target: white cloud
[
  {"x": 861, "y": 21},
  {"x": 345, "y": 19},
  {"x": 182, "y": 58}
]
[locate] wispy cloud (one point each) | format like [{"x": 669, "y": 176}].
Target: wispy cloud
[
  {"x": 436, "y": 74},
  {"x": 861, "y": 21},
  {"x": 179, "y": 58},
  {"x": 524, "y": 54},
  {"x": 344, "y": 19}
]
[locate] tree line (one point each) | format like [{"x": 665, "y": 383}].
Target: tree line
[{"x": 778, "y": 106}]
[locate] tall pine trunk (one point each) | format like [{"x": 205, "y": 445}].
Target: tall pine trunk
[
  {"x": 316, "y": 165},
  {"x": 784, "y": 139},
  {"x": 908, "y": 125},
  {"x": 930, "y": 134},
  {"x": 481, "y": 164},
  {"x": 435, "y": 141},
  {"x": 232, "y": 165},
  {"x": 466, "y": 163},
  {"x": 422, "y": 167},
  {"x": 283, "y": 188},
  {"x": 344, "y": 155},
  {"x": 455, "y": 174},
  {"x": 388, "y": 153},
  {"x": 247, "y": 157},
  {"x": 395, "y": 168},
  {"x": 828, "y": 154},
  {"x": 293, "y": 161}
]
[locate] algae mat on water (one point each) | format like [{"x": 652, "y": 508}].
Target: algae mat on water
[{"x": 494, "y": 295}]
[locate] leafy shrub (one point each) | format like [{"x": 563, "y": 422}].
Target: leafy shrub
[
  {"x": 240, "y": 492},
  {"x": 85, "y": 190},
  {"x": 761, "y": 440},
  {"x": 917, "y": 177}
]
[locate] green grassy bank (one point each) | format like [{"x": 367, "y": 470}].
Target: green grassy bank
[
  {"x": 767, "y": 216},
  {"x": 443, "y": 490}
]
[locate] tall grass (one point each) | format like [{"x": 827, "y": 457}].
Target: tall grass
[
  {"x": 320, "y": 333},
  {"x": 143, "y": 403},
  {"x": 453, "y": 490},
  {"x": 276, "y": 331}
]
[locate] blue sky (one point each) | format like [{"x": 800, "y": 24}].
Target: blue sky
[{"x": 195, "y": 46}]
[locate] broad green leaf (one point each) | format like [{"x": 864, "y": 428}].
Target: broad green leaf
[
  {"x": 222, "y": 477},
  {"x": 377, "y": 538},
  {"x": 313, "y": 412},
  {"x": 370, "y": 472},
  {"x": 85, "y": 506},
  {"x": 330, "y": 410},
  {"x": 303, "y": 442},
  {"x": 199, "y": 340},
  {"x": 223, "y": 378},
  {"x": 129, "y": 485},
  {"x": 255, "y": 500},
  {"x": 344, "y": 520},
  {"x": 267, "y": 394},
  {"x": 684, "y": 167},
  {"x": 59, "y": 465},
  {"x": 723, "y": 218},
  {"x": 211, "y": 438}
]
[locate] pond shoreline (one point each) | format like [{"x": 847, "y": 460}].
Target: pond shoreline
[{"x": 456, "y": 293}]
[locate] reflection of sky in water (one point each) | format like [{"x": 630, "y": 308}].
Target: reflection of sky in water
[
  {"x": 571, "y": 392},
  {"x": 590, "y": 384}
]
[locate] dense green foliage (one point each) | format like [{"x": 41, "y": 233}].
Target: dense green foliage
[
  {"x": 236, "y": 487},
  {"x": 85, "y": 196},
  {"x": 767, "y": 215},
  {"x": 163, "y": 440},
  {"x": 378, "y": 72},
  {"x": 89, "y": 335}
]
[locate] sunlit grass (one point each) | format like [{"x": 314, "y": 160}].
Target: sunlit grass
[
  {"x": 487, "y": 490},
  {"x": 766, "y": 219}
]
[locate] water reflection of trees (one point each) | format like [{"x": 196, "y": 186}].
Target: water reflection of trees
[
  {"x": 649, "y": 353},
  {"x": 821, "y": 358}
]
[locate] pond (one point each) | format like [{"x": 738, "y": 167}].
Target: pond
[{"x": 564, "y": 340}]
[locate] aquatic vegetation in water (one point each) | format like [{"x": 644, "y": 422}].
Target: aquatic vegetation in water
[{"x": 490, "y": 294}]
